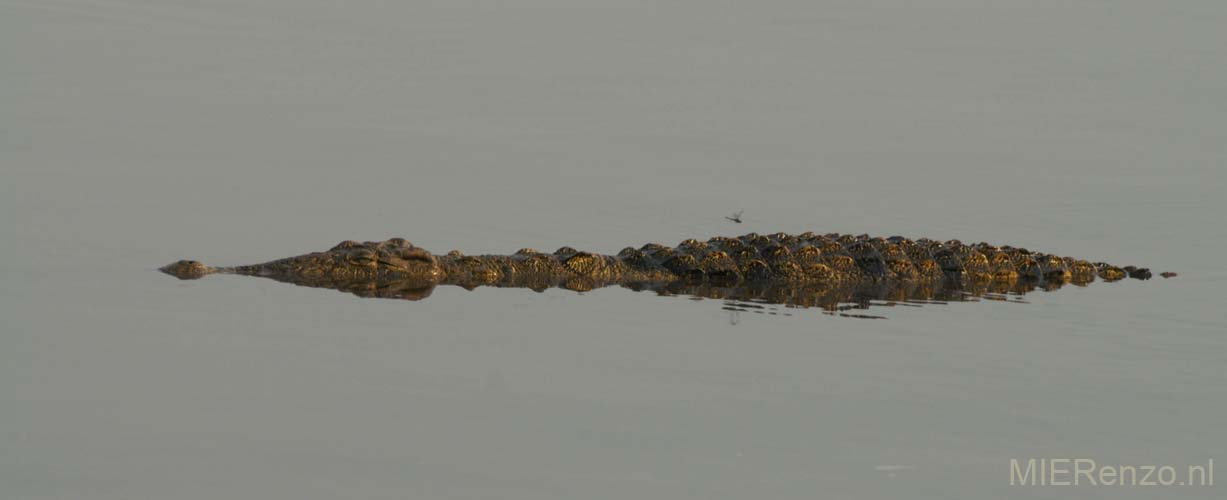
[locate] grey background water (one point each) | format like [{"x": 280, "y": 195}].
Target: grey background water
[{"x": 134, "y": 133}]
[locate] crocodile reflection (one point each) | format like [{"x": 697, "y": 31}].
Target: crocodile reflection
[
  {"x": 843, "y": 300},
  {"x": 834, "y": 272}
]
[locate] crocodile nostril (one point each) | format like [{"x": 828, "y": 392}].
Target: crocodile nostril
[{"x": 186, "y": 269}]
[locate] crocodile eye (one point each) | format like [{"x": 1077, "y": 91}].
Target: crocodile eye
[
  {"x": 362, "y": 258},
  {"x": 415, "y": 254},
  {"x": 346, "y": 244}
]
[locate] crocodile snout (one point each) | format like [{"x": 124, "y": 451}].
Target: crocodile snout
[{"x": 186, "y": 269}]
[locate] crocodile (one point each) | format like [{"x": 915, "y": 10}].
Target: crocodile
[{"x": 808, "y": 269}]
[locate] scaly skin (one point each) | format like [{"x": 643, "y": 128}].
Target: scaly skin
[{"x": 805, "y": 269}]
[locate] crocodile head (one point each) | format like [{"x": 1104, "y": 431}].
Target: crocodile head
[{"x": 349, "y": 264}]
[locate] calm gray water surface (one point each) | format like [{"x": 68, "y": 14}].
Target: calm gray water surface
[{"x": 134, "y": 133}]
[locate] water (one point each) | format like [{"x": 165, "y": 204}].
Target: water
[{"x": 136, "y": 133}]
